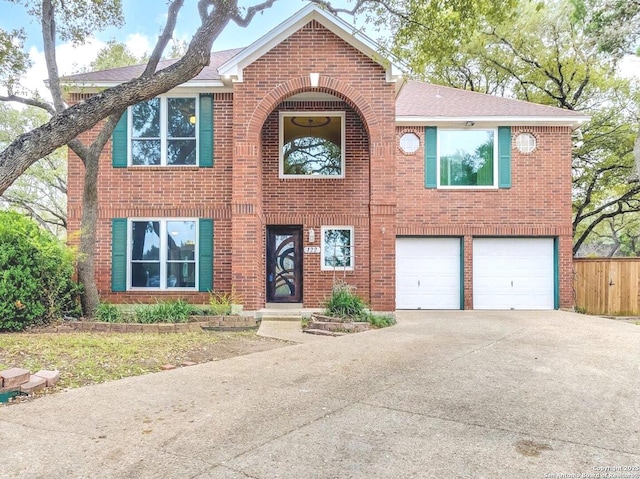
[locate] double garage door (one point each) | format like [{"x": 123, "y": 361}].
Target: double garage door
[{"x": 508, "y": 273}]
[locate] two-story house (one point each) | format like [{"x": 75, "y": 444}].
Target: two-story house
[{"x": 305, "y": 158}]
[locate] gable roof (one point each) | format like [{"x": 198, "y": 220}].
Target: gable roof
[
  {"x": 422, "y": 103},
  {"x": 234, "y": 67},
  {"x": 115, "y": 76}
]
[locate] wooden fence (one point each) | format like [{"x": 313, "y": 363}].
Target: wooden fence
[{"x": 607, "y": 285}]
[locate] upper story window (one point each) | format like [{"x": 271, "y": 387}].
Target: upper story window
[
  {"x": 163, "y": 131},
  {"x": 312, "y": 144},
  {"x": 467, "y": 158}
]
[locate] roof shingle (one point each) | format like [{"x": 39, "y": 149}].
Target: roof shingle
[
  {"x": 125, "y": 74},
  {"x": 427, "y": 100}
]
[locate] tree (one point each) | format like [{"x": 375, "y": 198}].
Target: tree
[
  {"x": 79, "y": 19},
  {"x": 114, "y": 55},
  {"x": 554, "y": 53},
  {"x": 40, "y": 192},
  {"x": 76, "y": 20}
]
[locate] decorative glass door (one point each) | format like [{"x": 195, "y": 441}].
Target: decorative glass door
[{"x": 284, "y": 264}]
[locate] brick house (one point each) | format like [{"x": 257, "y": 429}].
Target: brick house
[{"x": 306, "y": 158}]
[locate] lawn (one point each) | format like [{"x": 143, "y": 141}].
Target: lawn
[{"x": 90, "y": 358}]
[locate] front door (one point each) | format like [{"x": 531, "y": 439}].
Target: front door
[{"x": 284, "y": 264}]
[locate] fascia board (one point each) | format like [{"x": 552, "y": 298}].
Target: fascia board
[
  {"x": 103, "y": 85},
  {"x": 572, "y": 121}
]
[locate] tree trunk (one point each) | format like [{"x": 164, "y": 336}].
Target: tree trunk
[{"x": 86, "y": 251}]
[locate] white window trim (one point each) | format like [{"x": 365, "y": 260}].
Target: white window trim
[
  {"x": 495, "y": 161},
  {"x": 323, "y": 266},
  {"x": 163, "y": 132},
  {"x": 285, "y": 114},
  {"x": 163, "y": 254}
]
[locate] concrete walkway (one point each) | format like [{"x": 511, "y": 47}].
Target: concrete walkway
[
  {"x": 440, "y": 395},
  {"x": 287, "y": 331}
]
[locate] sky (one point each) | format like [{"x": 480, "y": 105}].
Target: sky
[{"x": 144, "y": 20}]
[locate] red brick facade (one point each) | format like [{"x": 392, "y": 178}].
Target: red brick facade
[
  {"x": 537, "y": 204},
  {"x": 382, "y": 194}
]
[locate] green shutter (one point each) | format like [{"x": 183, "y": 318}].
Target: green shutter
[
  {"x": 206, "y": 130},
  {"x": 205, "y": 255},
  {"x": 118, "y": 254},
  {"x": 119, "y": 143},
  {"x": 504, "y": 157},
  {"x": 430, "y": 157}
]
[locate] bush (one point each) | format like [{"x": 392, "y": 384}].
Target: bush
[
  {"x": 166, "y": 312},
  {"x": 380, "y": 320},
  {"x": 109, "y": 313},
  {"x": 345, "y": 303},
  {"x": 36, "y": 270},
  {"x": 220, "y": 303}
]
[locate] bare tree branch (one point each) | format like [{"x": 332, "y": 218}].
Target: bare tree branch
[
  {"x": 163, "y": 40},
  {"x": 49, "y": 44},
  {"x": 251, "y": 12},
  {"x": 30, "y": 102}
]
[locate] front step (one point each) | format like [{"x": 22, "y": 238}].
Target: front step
[
  {"x": 284, "y": 313},
  {"x": 323, "y": 332},
  {"x": 338, "y": 326}
]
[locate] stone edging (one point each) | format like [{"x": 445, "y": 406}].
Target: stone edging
[{"x": 227, "y": 323}]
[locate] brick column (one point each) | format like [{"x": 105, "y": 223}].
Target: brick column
[
  {"x": 383, "y": 219},
  {"x": 247, "y": 236}
]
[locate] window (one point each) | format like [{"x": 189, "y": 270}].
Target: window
[
  {"x": 409, "y": 143},
  {"x": 526, "y": 143},
  {"x": 164, "y": 132},
  {"x": 467, "y": 158},
  {"x": 337, "y": 248},
  {"x": 312, "y": 144},
  {"x": 162, "y": 253}
]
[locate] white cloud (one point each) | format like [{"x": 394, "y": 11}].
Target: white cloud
[
  {"x": 70, "y": 58},
  {"x": 138, "y": 44}
]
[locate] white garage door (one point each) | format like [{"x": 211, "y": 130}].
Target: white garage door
[
  {"x": 513, "y": 273},
  {"x": 428, "y": 273}
]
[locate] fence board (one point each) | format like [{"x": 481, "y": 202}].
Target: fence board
[{"x": 607, "y": 285}]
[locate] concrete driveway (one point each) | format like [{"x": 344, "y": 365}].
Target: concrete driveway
[{"x": 440, "y": 395}]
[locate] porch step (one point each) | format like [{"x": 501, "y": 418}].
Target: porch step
[
  {"x": 284, "y": 314},
  {"x": 283, "y": 306}
]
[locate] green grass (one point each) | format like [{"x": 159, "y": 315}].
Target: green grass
[{"x": 89, "y": 358}]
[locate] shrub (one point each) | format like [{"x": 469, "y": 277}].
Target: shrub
[
  {"x": 166, "y": 312},
  {"x": 36, "y": 270},
  {"x": 109, "y": 313},
  {"x": 380, "y": 320},
  {"x": 220, "y": 303},
  {"x": 345, "y": 303}
]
